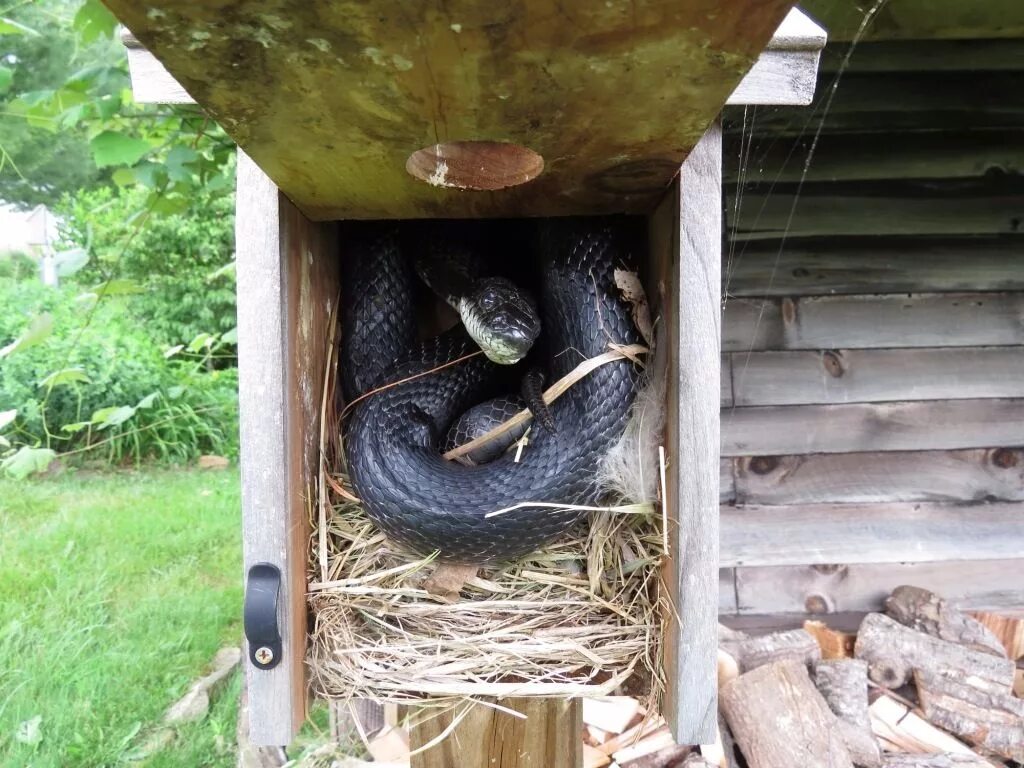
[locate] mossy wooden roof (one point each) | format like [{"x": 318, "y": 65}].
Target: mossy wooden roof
[{"x": 332, "y": 98}]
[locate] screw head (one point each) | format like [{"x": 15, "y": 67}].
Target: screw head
[{"x": 264, "y": 655}]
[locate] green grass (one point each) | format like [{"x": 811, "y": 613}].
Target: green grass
[{"x": 115, "y": 591}]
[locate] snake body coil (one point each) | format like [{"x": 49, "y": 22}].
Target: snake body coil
[{"x": 392, "y": 438}]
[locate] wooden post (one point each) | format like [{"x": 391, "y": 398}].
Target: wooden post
[
  {"x": 550, "y": 736},
  {"x": 693, "y": 317},
  {"x": 287, "y": 286}
]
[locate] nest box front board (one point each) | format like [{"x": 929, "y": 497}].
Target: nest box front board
[{"x": 392, "y": 108}]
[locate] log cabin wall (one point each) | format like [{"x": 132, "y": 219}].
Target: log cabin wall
[{"x": 873, "y": 335}]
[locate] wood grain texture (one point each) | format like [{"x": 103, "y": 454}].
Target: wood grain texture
[
  {"x": 870, "y": 533},
  {"x": 873, "y": 265},
  {"x": 876, "y": 375},
  {"x": 832, "y": 588},
  {"x": 903, "y": 101},
  {"x": 837, "y": 322},
  {"x": 982, "y": 474},
  {"x": 926, "y": 20},
  {"x": 886, "y": 208},
  {"x": 331, "y": 99},
  {"x": 692, "y": 443},
  {"x": 937, "y": 424},
  {"x": 287, "y": 282},
  {"x": 548, "y": 736},
  {"x": 779, "y": 719},
  {"x": 875, "y": 156}
]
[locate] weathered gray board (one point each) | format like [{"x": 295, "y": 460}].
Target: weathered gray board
[
  {"x": 838, "y": 322},
  {"x": 686, "y": 235},
  {"x": 909, "y": 426},
  {"x": 880, "y": 157},
  {"x": 875, "y": 375},
  {"x": 827, "y": 588},
  {"x": 287, "y": 289},
  {"x": 871, "y": 265},
  {"x": 796, "y": 534},
  {"x": 994, "y": 474}
]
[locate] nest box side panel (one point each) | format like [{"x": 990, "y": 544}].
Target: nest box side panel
[{"x": 332, "y": 99}]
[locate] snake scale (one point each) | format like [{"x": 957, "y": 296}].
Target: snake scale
[{"x": 392, "y": 438}]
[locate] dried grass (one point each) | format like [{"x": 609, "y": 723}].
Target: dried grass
[{"x": 578, "y": 618}]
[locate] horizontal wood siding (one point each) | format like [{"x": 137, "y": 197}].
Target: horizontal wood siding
[
  {"x": 983, "y": 474},
  {"x": 893, "y": 320},
  {"x": 797, "y": 534},
  {"x": 876, "y": 375},
  {"x": 840, "y": 588},
  {"x": 909, "y": 426},
  {"x": 873, "y": 330}
]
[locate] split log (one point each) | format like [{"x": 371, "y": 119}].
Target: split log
[
  {"x": 779, "y": 719},
  {"x": 613, "y": 714},
  {"x": 833, "y": 644},
  {"x": 728, "y": 667},
  {"x": 894, "y": 651},
  {"x": 656, "y": 741},
  {"x": 721, "y": 754},
  {"x": 594, "y": 758},
  {"x": 983, "y": 715},
  {"x": 844, "y": 684},
  {"x": 631, "y": 736},
  {"x": 794, "y": 644},
  {"x": 926, "y": 612},
  {"x": 1018, "y": 683},
  {"x": 667, "y": 756},
  {"x": 730, "y": 640},
  {"x": 1008, "y": 629},
  {"x": 945, "y": 760},
  {"x": 900, "y": 729}
]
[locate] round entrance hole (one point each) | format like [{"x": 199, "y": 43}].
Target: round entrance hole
[{"x": 479, "y": 165}]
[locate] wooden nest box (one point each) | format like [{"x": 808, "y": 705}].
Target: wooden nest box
[{"x": 399, "y": 110}]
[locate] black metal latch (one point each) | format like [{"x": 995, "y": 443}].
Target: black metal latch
[{"x": 259, "y": 616}]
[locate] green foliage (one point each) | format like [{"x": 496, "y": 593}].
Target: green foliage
[
  {"x": 105, "y": 389},
  {"x": 174, "y": 258}
]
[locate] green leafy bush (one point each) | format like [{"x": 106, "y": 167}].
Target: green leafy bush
[
  {"x": 176, "y": 258},
  {"x": 92, "y": 380}
]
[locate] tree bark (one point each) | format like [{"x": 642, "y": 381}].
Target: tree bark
[
  {"x": 844, "y": 684},
  {"x": 793, "y": 644},
  {"x": 779, "y": 719},
  {"x": 927, "y": 612},
  {"x": 945, "y": 760},
  {"x": 983, "y": 715},
  {"x": 894, "y": 651}
]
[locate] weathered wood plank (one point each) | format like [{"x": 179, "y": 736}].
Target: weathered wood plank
[
  {"x": 992, "y": 54},
  {"x": 881, "y": 208},
  {"x": 927, "y": 425},
  {"x": 877, "y": 375},
  {"x": 874, "y": 156},
  {"x": 850, "y": 322},
  {"x": 870, "y": 265},
  {"x": 548, "y": 735},
  {"x": 331, "y": 98},
  {"x": 687, "y": 227},
  {"x": 281, "y": 355},
  {"x": 870, "y": 533},
  {"x": 914, "y": 21},
  {"x": 726, "y": 591},
  {"x": 786, "y": 72},
  {"x": 833, "y": 588},
  {"x": 896, "y": 101},
  {"x": 726, "y": 481},
  {"x": 992, "y": 474}
]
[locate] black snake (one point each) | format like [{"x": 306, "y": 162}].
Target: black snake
[{"x": 392, "y": 437}]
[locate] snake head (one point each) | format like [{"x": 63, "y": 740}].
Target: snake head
[{"x": 502, "y": 320}]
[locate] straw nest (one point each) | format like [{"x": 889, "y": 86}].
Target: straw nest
[{"x": 578, "y": 618}]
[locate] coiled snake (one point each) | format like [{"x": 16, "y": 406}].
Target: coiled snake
[{"x": 392, "y": 437}]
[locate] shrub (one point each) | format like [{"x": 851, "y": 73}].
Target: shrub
[
  {"x": 101, "y": 379},
  {"x": 176, "y": 258}
]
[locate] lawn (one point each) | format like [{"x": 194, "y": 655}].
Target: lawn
[{"x": 116, "y": 590}]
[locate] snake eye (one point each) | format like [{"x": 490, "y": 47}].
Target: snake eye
[{"x": 488, "y": 300}]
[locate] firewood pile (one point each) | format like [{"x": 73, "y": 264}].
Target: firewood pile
[{"x": 922, "y": 685}]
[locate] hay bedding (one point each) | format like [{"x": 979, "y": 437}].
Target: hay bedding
[{"x": 579, "y": 618}]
